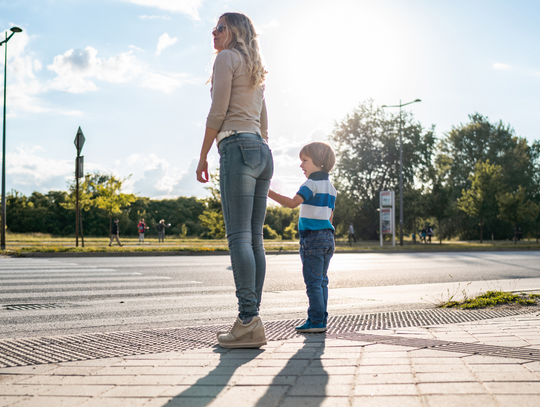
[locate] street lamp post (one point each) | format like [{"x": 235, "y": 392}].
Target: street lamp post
[
  {"x": 401, "y": 169},
  {"x": 3, "y": 220}
]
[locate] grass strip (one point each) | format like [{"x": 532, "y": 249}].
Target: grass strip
[{"x": 492, "y": 299}]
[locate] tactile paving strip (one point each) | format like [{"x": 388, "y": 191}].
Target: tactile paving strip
[
  {"x": 22, "y": 352},
  {"x": 524, "y": 353},
  {"x": 24, "y": 307}
]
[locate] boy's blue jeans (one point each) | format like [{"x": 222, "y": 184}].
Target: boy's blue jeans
[
  {"x": 246, "y": 167},
  {"x": 316, "y": 250}
]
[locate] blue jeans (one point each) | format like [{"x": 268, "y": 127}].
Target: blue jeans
[
  {"x": 246, "y": 167},
  {"x": 316, "y": 250}
]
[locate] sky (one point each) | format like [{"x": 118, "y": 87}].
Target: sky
[{"x": 133, "y": 75}]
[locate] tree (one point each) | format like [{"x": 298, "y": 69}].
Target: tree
[
  {"x": 480, "y": 199},
  {"x": 514, "y": 209},
  {"x": 437, "y": 200},
  {"x": 480, "y": 140},
  {"x": 367, "y": 149},
  {"x": 85, "y": 199},
  {"x": 110, "y": 198}
]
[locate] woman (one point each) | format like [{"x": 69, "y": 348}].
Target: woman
[{"x": 237, "y": 121}]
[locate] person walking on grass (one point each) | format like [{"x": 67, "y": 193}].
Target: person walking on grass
[
  {"x": 316, "y": 197},
  {"x": 115, "y": 231},
  {"x": 237, "y": 122}
]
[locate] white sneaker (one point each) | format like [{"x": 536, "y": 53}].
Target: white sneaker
[{"x": 242, "y": 335}]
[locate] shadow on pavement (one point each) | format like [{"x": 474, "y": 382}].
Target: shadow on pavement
[
  {"x": 207, "y": 388},
  {"x": 304, "y": 375}
]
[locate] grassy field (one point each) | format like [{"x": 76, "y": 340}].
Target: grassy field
[{"x": 46, "y": 243}]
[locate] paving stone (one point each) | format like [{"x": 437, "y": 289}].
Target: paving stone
[
  {"x": 182, "y": 391},
  {"x": 265, "y": 380},
  {"x": 341, "y": 390},
  {"x": 121, "y": 371},
  {"x": 43, "y": 401},
  {"x": 282, "y": 363},
  {"x": 441, "y": 368},
  {"x": 24, "y": 389},
  {"x": 270, "y": 371},
  {"x": 385, "y": 369},
  {"x": 329, "y": 370},
  {"x": 497, "y": 368},
  {"x": 524, "y": 376},
  {"x": 151, "y": 380},
  {"x": 303, "y": 401},
  {"x": 117, "y": 402},
  {"x": 466, "y": 400},
  {"x": 16, "y": 378},
  {"x": 76, "y": 370},
  {"x": 77, "y": 390},
  {"x": 6, "y": 401},
  {"x": 430, "y": 377},
  {"x": 135, "y": 391},
  {"x": 325, "y": 380},
  {"x": 436, "y": 361},
  {"x": 518, "y": 400},
  {"x": 209, "y": 380},
  {"x": 371, "y": 361},
  {"x": 36, "y": 369},
  {"x": 385, "y": 390},
  {"x": 385, "y": 378},
  {"x": 533, "y": 366},
  {"x": 514, "y": 387},
  {"x": 262, "y": 396},
  {"x": 385, "y": 401},
  {"x": 451, "y": 388}
]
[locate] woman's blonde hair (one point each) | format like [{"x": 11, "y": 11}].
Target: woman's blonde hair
[
  {"x": 244, "y": 42},
  {"x": 322, "y": 154}
]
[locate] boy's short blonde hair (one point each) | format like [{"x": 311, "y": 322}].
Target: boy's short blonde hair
[{"x": 321, "y": 153}]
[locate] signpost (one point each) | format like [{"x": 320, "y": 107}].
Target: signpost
[
  {"x": 79, "y": 173},
  {"x": 387, "y": 215}
]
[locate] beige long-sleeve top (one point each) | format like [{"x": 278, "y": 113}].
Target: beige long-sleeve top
[{"x": 235, "y": 106}]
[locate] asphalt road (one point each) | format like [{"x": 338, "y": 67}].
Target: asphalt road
[{"x": 127, "y": 293}]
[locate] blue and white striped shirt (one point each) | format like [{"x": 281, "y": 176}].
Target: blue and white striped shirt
[{"x": 319, "y": 197}]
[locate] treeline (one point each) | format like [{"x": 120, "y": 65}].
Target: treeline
[
  {"x": 477, "y": 181},
  {"x": 101, "y": 201}
]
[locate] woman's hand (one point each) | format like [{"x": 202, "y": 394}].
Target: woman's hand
[{"x": 202, "y": 171}]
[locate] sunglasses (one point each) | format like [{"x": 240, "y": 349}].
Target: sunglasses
[{"x": 219, "y": 28}]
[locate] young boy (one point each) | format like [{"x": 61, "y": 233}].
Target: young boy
[{"x": 317, "y": 197}]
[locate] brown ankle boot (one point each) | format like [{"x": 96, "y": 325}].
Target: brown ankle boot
[{"x": 242, "y": 335}]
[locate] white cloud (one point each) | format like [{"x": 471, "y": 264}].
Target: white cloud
[
  {"x": 164, "y": 83},
  {"x": 501, "y": 67},
  {"x": 154, "y": 17},
  {"x": 189, "y": 7},
  {"x": 134, "y": 47},
  {"x": 165, "y": 41},
  {"x": 75, "y": 69},
  {"x": 28, "y": 169}
]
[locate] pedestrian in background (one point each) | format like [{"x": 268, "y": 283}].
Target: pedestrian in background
[
  {"x": 161, "y": 230},
  {"x": 429, "y": 233},
  {"x": 351, "y": 234},
  {"x": 142, "y": 228},
  {"x": 423, "y": 235},
  {"x": 237, "y": 122},
  {"x": 115, "y": 231}
]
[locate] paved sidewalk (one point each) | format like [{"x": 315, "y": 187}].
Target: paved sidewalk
[{"x": 493, "y": 362}]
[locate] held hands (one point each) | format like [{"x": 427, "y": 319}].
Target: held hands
[{"x": 202, "y": 171}]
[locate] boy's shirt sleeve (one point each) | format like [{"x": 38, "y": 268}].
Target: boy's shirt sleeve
[{"x": 307, "y": 190}]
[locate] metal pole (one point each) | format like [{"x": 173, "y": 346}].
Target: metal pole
[
  {"x": 77, "y": 196},
  {"x": 400, "y": 180},
  {"x": 3, "y": 232}
]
